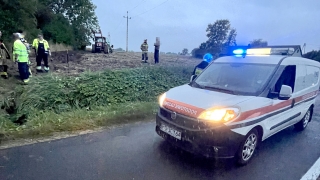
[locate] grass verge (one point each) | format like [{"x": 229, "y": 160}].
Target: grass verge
[
  {"x": 45, "y": 123},
  {"x": 50, "y": 104}
]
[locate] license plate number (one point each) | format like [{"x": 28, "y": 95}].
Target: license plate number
[{"x": 174, "y": 133}]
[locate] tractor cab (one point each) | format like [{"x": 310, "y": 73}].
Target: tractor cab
[{"x": 100, "y": 43}]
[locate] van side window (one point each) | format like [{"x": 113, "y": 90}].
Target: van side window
[
  {"x": 301, "y": 74},
  {"x": 287, "y": 78},
  {"x": 312, "y": 76}
]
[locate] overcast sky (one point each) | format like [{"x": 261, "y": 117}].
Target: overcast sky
[{"x": 182, "y": 23}]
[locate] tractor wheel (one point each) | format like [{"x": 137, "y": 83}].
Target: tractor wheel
[
  {"x": 106, "y": 49},
  {"x": 93, "y": 49}
]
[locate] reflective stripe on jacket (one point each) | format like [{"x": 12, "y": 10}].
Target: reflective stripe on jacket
[
  {"x": 20, "y": 49},
  {"x": 36, "y": 42},
  {"x": 4, "y": 53},
  {"x": 144, "y": 47}
]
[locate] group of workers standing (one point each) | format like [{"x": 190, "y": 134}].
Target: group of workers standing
[
  {"x": 207, "y": 58},
  {"x": 21, "y": 50},
  {"x": 20, "y": 55},
  {"x": 144, "y": 48}
]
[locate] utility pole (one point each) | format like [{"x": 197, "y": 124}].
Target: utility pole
[
  {"x": 304, "y": 48},
  {"x": 127, "y": 28}
]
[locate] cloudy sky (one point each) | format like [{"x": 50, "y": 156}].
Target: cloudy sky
[{"x": 182, "y": 23}]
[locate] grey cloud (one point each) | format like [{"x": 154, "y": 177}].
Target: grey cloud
[{"x": 182, "y": 25}]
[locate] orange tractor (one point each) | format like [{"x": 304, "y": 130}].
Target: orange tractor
[{"x": 100, "y": 43}]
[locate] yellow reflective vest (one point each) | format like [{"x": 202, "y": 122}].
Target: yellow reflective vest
[
  {"x": 20, "y": 52},
  {"x": 36, "y": 42}
]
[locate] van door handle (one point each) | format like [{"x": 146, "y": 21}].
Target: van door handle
[{"x": 293, "y": 102}]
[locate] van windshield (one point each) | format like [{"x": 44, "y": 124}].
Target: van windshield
[{"x": 235, "y": 78}]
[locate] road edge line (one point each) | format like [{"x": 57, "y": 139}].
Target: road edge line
[{"x": 313, "y": 173}]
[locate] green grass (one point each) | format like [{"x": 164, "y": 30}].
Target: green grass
[
  {"x": 45, "y": 123},
  {"x": 99, "y": 89},
  {"x": 56, "y": 104}
]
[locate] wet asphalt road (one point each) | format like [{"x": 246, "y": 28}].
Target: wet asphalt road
[{"x": 136, "y": 152}]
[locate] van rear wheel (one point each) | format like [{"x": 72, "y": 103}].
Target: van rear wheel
[
  {"x": 247, "y": 148},
  {"x": 303, "y": 123}
]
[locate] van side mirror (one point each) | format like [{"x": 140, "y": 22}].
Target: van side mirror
[
  {"x": 193, "y": 77},
  {"x": 285, "y": 92}
]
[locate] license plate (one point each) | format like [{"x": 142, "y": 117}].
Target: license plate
[{"x": 171, "y": 131}]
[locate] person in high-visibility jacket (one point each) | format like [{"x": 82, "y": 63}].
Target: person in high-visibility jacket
[
  {"x": 42, "y": 51},
  {"x": 144, "y": 48},
  {"x": 21, "y": 56},
  {"x": 207, "y": 58},
  {"x": 25, "y": 42},
  {"x": 4, "y": 55}
]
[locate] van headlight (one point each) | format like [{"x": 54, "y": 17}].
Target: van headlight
[
  {"x": 162, "y": 97},
  {"x": 220, "y": 115}
]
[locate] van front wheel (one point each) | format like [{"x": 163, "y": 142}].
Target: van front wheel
[
  {"x": 247, "y": 148},
  {"x": 301, "y": 125}
]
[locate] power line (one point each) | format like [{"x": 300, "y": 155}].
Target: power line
[
  {"x": 152, "y": 8},
  {"x": 118, "y": 26},
  {"x": 137, "y": 5}
]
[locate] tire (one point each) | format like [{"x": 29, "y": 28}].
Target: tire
[
  {"x": 106, "y": 49},
  {"x": 247, "y": 148},
  {"x": 303, "y": 123},
  {"x": 93, "y": 50}
]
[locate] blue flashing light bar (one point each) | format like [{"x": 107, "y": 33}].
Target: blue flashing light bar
[
  {"x": 242, "y": 51},
  {"x": 239, "y": 51}
]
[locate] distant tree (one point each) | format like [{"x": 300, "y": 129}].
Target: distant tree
[
  {"x": 258, "y": 43},
  {"x": 203, "y": 46},
  {"x": 193, "y": 51},
  {"x": 184, "y": 51},
  {"x": 314, "y": 55},
  {"x": 59, "y": 30},
  {"x": 119, "y": 49},
  {"x": 62, "y": 21},
  {"x": 219, "y": 34},
  {"x": 80, "y": 14},
  {"x": 231, "y": 39}
]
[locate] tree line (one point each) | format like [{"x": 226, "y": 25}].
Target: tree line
[
  {"x": 314, "y": 55},
  {"x": 61, "y": 21},
  {"x": 221, "y": 35}
]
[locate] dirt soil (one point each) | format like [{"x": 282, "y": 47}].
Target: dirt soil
[{"x": 83, "y": 61}]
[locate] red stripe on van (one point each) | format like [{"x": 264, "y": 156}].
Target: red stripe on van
[
  {"x": 193, "y": 111},
  {"x": 268, "y": 109}
]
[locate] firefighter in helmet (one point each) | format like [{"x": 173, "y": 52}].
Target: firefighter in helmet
[
  {"x": 144, "y": 48},
  {"x": 207, "y": 58}
]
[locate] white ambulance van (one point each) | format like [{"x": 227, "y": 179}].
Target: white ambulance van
[{"x": 239, "y": 101}]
